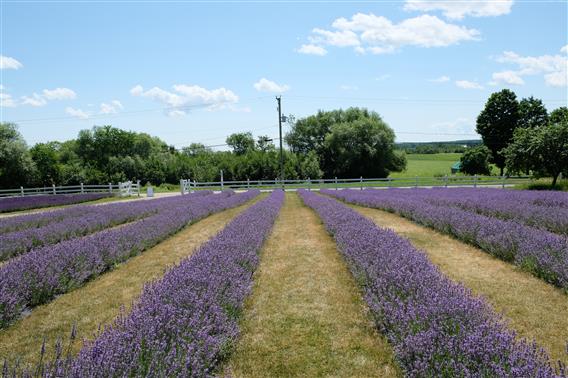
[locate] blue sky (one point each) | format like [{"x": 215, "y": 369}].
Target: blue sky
[{"x": 197, "y": 71}]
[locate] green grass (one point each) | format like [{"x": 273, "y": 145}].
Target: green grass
[
  {"x": 544, "y": 184},
  {"x": 428, "y": 165}
]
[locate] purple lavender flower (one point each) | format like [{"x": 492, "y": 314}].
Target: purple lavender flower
[{"x": 35, "y": 202}]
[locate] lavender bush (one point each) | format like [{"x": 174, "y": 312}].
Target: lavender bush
[
  {"x": 36, "y": 202},
  {"x": 539, "y": 252},
  {"x": 437, "y": 327},
  {"x": 40, "y": 275},
  {"x": 78, "y": 222},
  {"x": 185, "y": 323}
]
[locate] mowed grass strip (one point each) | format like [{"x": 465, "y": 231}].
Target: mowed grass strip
[
  {"x": 305, "y": 316},
  {"x": 100, "y": 301},
  {"x": 535, "y": 309}
]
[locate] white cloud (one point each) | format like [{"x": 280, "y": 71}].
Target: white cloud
[
  {"x": 383, "y": 77},
  {"x": 458, "y": 9},
  {"x": 35, "y": 100},
  {"x": 59, "y": 94},
  {"x": 378, "y": 35},
  {"x": 185, "y": 96},
  {"x": 6, "y": 101},
  {"x": 458, "y": 126},
  {"x": 508, "y": 77},
  {"x": 564, "y": 49},
  {"x": 465, "y": 84},
  {"x": 554, "y": 68},
  {"x": 7, "y": 63},
  {"x": 265, "y": 85},
  {"x": 113, "y": 107},
  {"x": 77, "y": 113},
  {"x": 441, "y": 79},
  {"x": 312, "y": 50}
]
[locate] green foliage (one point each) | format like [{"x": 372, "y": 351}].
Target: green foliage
[
  {"x": 475, "y": 161},
  {"x": 458, "y": 146},
  {"x": 16, "y": 165},
  {"x": 241, "y": 143},
  {"x": 497, "y": 122},
  {"x": 544, "y": 151},
  {"x": 348, "y": 143},
  {"x": 532, "y": 113},
  {"x": 559, "y": 115}
]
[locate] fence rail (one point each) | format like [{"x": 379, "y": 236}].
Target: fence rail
[
  {"x": 123, "y": 189},
  {"x": 187, "y": 186}
]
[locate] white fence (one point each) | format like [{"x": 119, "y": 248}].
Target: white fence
[
  {"x": 123, "y": 189},
  {"x": 187, "y": 186}
]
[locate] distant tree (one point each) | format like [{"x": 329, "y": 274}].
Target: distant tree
[
  {"x": 46, "y": 159},
  {"x": 532, "y": 113},
  {"x": 265, "y": 143},
  {"x": 497, "y": 122},
  {"x": 543, "y": 150},
  {"x": 362, "y": 147},
  {"x": 475, "y": 161},
  {"x": 559, "y": 115},
  {"x": 195, "y": 149},
  {"x": 241, "y": 143},
  {"x": 309, "y": 166},
  {"x": 16, "y": 165},
  {"x": 352, "y": 142}
]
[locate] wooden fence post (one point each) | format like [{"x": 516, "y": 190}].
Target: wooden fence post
[
  {"x": 221, "y": 180},
  {"x": 445, "y": 181},
  {"x": 336, "y": 188},
  {"x": 475, "y": 181},
  {"x": 22, "y": 190},
  {"x": 53, "y": 187},
  {"x": 361, "y": 182},
  {"x": 248, "y": 183},
  {"x": 181, "y": 187},
  {"x": 110, "y": 187},
  {"x": 309, "y": 185},
  {"x": 503, "y": 182},
  {"x": 82, "y": 189}
]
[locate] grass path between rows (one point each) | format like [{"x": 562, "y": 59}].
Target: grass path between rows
[
  {"x": 99, "y": 301},
  {"x": 305, "y": 316},
  {"x": 534, "y": 308}
]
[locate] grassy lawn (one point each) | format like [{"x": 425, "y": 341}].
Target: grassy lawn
[
  {"x": 99, "y": 301},
  {"x": 428, "y": 165},
  {"x": 306, "y": 317},
  {"x": 534, "y": 308}
]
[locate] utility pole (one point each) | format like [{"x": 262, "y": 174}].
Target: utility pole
[{"x": 278, "y": 99}]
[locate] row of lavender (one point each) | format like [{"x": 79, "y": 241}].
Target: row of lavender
[
  {"x": 539, "y": 252},
  {"x": 37, "y": 230},
  {"x": 36, "y": 202},
  {"x": 544, "y": 210},
  {"x": 36, "y": 220},
  {"x": 40, "y": 275},
  {"x": 437, "y": 327},
  {"x": 184, "y": 324}
]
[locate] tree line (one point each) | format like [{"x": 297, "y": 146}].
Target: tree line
[
  {"x": 520, "y": 137},
  {"x": 343, "y": 143}
]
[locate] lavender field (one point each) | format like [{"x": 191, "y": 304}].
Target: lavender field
[
  {"x": 41, "y": 201},
  {"x": 190, "y": 319}
]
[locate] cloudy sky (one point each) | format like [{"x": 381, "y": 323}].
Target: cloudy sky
[{"x": 198, "y": 71}]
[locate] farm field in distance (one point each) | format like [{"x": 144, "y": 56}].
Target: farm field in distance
[{"x": 214, "y": 269}]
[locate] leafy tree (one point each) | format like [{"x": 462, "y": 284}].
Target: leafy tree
[
  {"x": 497, "y": 122},
  {"x": 543, "y": 150},
  {"x": 559, "y": 115},
  {"x": 16, "y": 165},
  {"x": 46, "y": 159},
  {"x": 362, "y": 147},
  {"x": 532, "y": 113},
  {"x": 475, "y": 161},
  {"x": 241, "y": 143},
  {"x": 264, "y": 143},
  {"x": 352, "y": 142},
  {"x": 195, "y": 149}
]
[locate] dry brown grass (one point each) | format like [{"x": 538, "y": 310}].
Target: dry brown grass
[
  {"x": 99, "y": 301},
  {"x": 305, "y": 316},
  {"x": 534, "y": 308}
]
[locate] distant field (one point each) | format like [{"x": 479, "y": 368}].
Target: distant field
[{"x": 428, "y": 165}]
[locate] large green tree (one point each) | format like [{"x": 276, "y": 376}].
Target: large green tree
[
  {"x": 348, "y": 143},
  {"x": 497, "y": 122},
  {"x": 544, "y": 151},
  {"x": 16, "y": 165},
  {"x": 532, "y": 113},
  {"x": 559, "y": 115},
  {"x": 241, "y": 143},
  {"x": 46, "y": 159}
]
